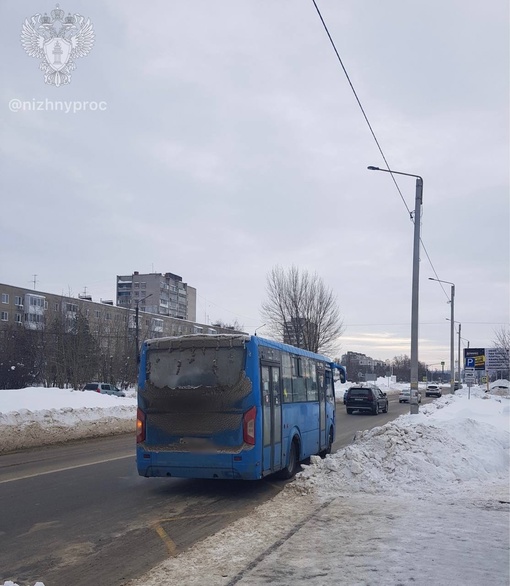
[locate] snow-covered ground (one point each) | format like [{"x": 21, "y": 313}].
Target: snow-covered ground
[
  {"x": 38, "y": 416},
  {"x": 421, "y": 500}
]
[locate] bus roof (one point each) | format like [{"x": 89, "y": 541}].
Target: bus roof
[{"x": 238, "y": 339}]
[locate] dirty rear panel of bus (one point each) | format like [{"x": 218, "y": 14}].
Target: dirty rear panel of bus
[{"x": 194, "y": 406}]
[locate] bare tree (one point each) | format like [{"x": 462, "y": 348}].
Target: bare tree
[
  {"x": 502, "y": 338},
  {"x": 502, "y": 343},
  {"x": 301, "y": 310}
]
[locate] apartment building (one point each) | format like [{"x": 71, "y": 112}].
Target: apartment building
[
  {"x": 157, "y": 293},
  {"x": 298, "y": 331},
  {"x": 35, "y": 310}
]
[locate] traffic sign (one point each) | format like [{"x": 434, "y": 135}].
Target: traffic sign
[
  {"x": 474, "y": 358},
  {"x": 469, "y": 374},
  {"x": 496, "y": 358}
]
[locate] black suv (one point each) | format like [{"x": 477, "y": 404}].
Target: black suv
[{"x": 366, "y": 398}]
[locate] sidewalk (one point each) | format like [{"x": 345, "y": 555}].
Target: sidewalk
[{"x": 360, "y": 539}]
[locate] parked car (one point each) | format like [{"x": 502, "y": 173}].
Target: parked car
[
  {"x": 366, "y": 398},
  {"x": 433, "y": 390},
  {"x": 457, "y": 385},
  {"x": 405, "y": 396},
  {"x": 104, "y": 388}
]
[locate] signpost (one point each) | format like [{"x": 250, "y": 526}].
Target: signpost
[
  {"x": 469, "y": 377},
  {"x": 485, "y": 359}
]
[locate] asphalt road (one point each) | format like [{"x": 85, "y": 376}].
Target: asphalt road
[{"x": 79, "y": 513}]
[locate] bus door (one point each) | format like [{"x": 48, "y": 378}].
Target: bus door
[
  {"x": 272, "y": 418},
  {"x": 329, "y": 403}
]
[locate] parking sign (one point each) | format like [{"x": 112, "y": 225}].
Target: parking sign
[{"x": 474, "y": 358}]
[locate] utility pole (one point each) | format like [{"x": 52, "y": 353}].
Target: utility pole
[
  {"x": 416, "y": 218},
  {"x": 137, "y": 327}
]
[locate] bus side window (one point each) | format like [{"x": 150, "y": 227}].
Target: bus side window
[
  {"x": 327, "y": 378},
  {"x": 287, "y": 378},
  {"x": 312, "y": 393},
  {"x": 298, "y": 382},
  {"x": 329, "y": 385}
]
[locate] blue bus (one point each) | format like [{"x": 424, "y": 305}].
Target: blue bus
[{"x": 232, "y": 407}]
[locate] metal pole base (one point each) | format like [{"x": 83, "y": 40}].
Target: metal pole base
[{"x": 415, "y": 409}]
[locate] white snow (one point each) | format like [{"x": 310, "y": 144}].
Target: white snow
[
  {"x": 421, "y": 500},
  {"x": 39, "y": 416}
]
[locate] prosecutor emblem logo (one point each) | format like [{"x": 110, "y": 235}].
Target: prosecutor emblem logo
[{"x": 57, "y": 40}]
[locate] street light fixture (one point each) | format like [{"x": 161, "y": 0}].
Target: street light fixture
[
  {"x": 414, "y": 406},
  {"x": 138, "y": 301},
  {"x": 452, "y": 333}
]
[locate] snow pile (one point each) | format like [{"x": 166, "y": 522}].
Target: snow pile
[
  {"x": 39, "y": 416},
  {"x": 451, "y": 441}
]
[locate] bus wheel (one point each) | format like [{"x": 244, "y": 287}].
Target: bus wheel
[
  {"x": 291, "y": 467},
  {"x": 327, "y": 451}
]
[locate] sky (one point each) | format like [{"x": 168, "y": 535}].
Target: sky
[
  {"x": 219, "y": 140},
  {"x": 440, "y": 478}
]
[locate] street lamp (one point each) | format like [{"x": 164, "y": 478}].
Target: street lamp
[
  {"x": 138, "y": 301},
  {"x": 452, "y": 334},
  {"x": 414, "y": 407},
  {"x": 428, "y": 370}
]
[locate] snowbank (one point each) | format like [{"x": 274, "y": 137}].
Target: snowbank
[{"x": 39, "y": 416}]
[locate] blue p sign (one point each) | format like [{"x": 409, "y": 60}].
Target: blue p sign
[{"x": 470, "y": 362}]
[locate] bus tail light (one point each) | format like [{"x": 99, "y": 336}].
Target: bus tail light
[
  {"x": 140, "y": 426},
  {"x": 249, "y": 426}
]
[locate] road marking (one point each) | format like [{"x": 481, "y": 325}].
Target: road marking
[
  {"x": 170, "y": 545},
  {"x": 64, "y": 469}
]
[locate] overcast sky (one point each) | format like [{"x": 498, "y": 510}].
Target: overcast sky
[{"x": 230, "y": 141}]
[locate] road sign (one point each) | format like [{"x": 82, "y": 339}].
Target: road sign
[
  {"x": 496, "y": 358},
  {"x": 469, "y": 374},
  {"x": 474, "y": 358}
]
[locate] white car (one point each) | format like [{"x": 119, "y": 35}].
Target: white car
[
  {"x": 405, "y": 396},
  {"x": 433, "y": 390}
]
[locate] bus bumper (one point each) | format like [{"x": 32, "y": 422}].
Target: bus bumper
[{"x": 188, "y": 465}]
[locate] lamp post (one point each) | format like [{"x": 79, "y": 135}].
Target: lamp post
[
  {"x": 137, "y": 302},
  {"x": 428, "y": 370},
  {"x": 452, "y": 333},
  {"x": 413, "y": 401}
]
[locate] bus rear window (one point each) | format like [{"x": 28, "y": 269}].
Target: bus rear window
[{"x": 182, "y": 368}]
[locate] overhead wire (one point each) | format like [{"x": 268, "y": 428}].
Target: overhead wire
[{"x": 411, "y": 214}]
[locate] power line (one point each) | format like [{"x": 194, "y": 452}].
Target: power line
[
  {"x": 374, "y": 136},
  {"x": 360, "y": 105}
]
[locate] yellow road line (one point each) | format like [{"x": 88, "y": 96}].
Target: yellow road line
[{"x": 170, "y": 545}]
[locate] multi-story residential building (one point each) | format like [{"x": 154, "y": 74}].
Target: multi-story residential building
[
  {"x": 359, "y": 364},
  {"x": 299, "y": 332},
  {"x": 34, "y": 310},
  {"x": 163, "y": 294},
  {"x": 61, "y": 340}
]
